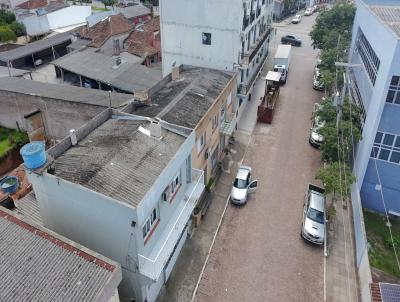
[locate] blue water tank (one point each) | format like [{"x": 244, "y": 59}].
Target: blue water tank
[
  {"x": 9, "y": 184},
  {"x": 33, "y": 154}
]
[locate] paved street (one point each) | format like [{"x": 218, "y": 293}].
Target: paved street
[{"x": 258, "y": 254}]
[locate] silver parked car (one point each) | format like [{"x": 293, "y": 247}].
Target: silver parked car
[
  {"x": 316, "y": 139},
  {"x": 242, "y": 186},
  {"x": 313, "y": 228}
]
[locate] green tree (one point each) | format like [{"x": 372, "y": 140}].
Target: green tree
[
  {"x": 6, "y": 34},
  {"x": 6, "y": 17},
  {"x": 332, "y": 34},
  {"x": 18, "y": 28},
  {"x": 337, "y": 179},
  {"x": 329, "y": 24},
  {"x": 108, "y": 3}
]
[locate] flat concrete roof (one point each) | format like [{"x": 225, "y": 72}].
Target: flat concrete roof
[
  {"x": 389, "y": 15},
  {"x": 34, "y": 47},
  {"x": 117, "y": 160},
  {"x": 37, "y": 264},
  {"x": 127, "y": 76},
  {"x": 185, "y": 101},
  {"x": 5, "y": 72},
  {"x": 64, "y": 92}
]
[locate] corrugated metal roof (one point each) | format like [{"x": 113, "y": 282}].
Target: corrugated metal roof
[
  {"x": 39, "y": 265},
  {"x": 64, "y": 92},
  {"x": 29, "y": 208},
  {"x": 128, "y": 76},
  {"x": 5, "y": 72},
  {"x": 184, "y": 102},
  {"x": 390, "y": 15},
  {"x": 119, "y": 161},
  {"x": 34, "y": 47},
  {"x": 390, "y": 292}
]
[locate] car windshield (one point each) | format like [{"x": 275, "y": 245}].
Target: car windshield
[
  {"x": 315, "y": 215},
  {"x": 240, "y": 183}
]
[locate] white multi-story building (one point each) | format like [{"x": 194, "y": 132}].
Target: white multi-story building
[
  {"x": 231, "y": 35},
  {"x": 124, "y": 187}
]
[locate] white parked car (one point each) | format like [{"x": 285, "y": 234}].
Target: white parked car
[
  {"x": 316, "y": 139},
  {"x": 309, "y": 11},
  {"x": 296, "y": 19},
  {"x": 242, "y": 186},
  {"x": 314, "y": 223}
]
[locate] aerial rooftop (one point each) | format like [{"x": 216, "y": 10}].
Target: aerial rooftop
[
  {"x": 128, "y": 77},
  {"x": 63, "y": 92},
  {"x": 37, "y": 264},
  {"x": 35, "y": 47},
  {"x": 389, "y": 14},
  {"x": 118, "y": 160},
  {"x": 185, "y": 101},
  {"x": 99, "y": 33}
]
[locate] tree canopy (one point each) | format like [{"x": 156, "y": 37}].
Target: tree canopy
[
  {"x": 10, "y": 28},
  {"x": 331, "y": 33}
]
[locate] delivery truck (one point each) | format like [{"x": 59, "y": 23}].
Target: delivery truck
[{"x": 282, "y": 61}]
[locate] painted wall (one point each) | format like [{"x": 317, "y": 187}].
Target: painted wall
[
  {"x": 91, "y": 219},
  {"x": 213, "y": 137},
  {"x": 59, "y": 116},
  {"x": 105, "y": 225},
  {"x": 375, "y": 33},
  {"x": 182, "y": 25},
  {"x": 388, "y": 172},
  {"x": 72, "y": 15}
]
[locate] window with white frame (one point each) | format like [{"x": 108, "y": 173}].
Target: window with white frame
[
  {"x": 201, "y": 141},
  {"x": 386, "y": 147},
  {"x": 223, "y": 110},
  {"x": 149, "y": 224},
  {"x": 169, "y": 192},
  {"x": 214, "y": 122},
  {"x": 229, "y": 99},
  {"x": 393, "y": 95}
]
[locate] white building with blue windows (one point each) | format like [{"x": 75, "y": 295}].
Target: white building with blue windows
[
  {"x": 375, "y": 86},
  {"x": 124, "y": 186}
]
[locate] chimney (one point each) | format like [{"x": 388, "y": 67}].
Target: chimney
[
  {"x": 72, "y": 135},
  {"x": 175, "y": 73},
  {"x": 118, "y": 61},
  {"x": 155, "y": 129}
]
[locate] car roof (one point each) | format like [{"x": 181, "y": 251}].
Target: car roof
[
  {"x": 317, "y": 201},
  {"x": 242, "y": 173}
]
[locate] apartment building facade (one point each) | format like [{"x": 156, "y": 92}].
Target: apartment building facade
[
  {"x": 222, "y": 34},
  {"x": 203, "y": 100},
  {"x": 124, "y": 187},
  {"x": 375, "y": 86}
]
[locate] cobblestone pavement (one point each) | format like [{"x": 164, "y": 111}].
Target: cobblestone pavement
[{"x": 258, "y": 254}]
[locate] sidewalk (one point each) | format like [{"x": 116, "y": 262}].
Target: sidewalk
[
  {"x": 184, "y": 277},
  {"x": 341, "y": 281}
]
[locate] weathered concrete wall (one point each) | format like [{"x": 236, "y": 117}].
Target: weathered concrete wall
[
  {"x": 59, "y": 116},
  {"x": 213, "y": 136}
]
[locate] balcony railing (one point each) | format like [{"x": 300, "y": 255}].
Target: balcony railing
[
  {"x": 152, "y": 265},
  {"x": 227, "y": 127},
  {"x": 243, "y": 89},
  {"x": 248, "y": 56}
]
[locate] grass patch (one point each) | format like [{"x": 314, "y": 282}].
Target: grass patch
[
  {"x": 381, "y": 254},
  {"x": 10, "y": 139},
  {"x": 100, "y": 9}
]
